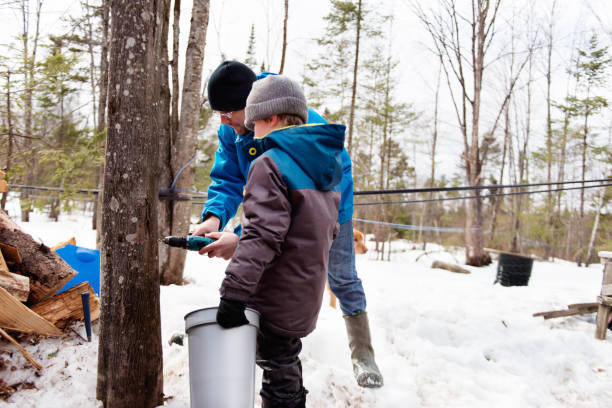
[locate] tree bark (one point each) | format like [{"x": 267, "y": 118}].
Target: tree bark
[
  {"x": 583, "y": 156},
  {"x": 475, "y": 253},
  {"x": 9, "y": 120},
  {"x": 101, "y": 120},
  {"x": 130, "y": 352},
  {"x": 432, "y": 170},
  {"x": 176, "y": 29},
  {"x": 29, "y": 65},
  {"x": 354, "y": 90},
  {"x": 92, "y": 64},
  {"x": 594, "y": 230},
  {"x": 166, "y": 122},
  {"x": 523, "y": 166},
  {"x": 284, "y": 49},
  {"x": 184, "y": 147},
  {"x": 549, "y": 119}
]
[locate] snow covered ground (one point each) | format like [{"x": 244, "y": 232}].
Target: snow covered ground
[{"x": 441, "y": 339}]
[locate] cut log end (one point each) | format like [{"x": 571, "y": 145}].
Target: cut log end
[
  {"x": 65, "y": 307},
  {"x": 47, "y": 271}
]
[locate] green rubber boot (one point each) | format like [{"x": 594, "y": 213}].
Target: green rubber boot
[{"x": 362, "y": 354}]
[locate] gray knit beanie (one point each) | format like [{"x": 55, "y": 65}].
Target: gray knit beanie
[{"x": 274, "y": 95}]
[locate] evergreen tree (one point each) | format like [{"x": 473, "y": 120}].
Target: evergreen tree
[
  {"x": 590, "y": 75},
  {"x": 330, "y": 76},
  {"x": 381, "y": 159},
  {"x": 64, "y": 154},
  {"x": 250, "y": 60}
]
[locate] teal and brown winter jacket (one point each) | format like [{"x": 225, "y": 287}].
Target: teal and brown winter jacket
[{"x": 291, "y": 205}]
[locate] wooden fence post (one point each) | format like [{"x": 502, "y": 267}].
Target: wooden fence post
[{"x": 605, "y": 298}]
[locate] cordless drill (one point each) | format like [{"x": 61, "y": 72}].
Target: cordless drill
[{"x": 190, "y": 242}]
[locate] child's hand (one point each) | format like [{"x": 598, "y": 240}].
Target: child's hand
[
  {"x": 231, "y": 313},
  {"x": 223, "y": 247}
]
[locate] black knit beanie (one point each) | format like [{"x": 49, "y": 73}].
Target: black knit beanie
[{"x": 229, "y": 85}]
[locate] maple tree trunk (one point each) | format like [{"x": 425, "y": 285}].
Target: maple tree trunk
[
  {"x": 130, "y": 352},
  {"x": 164, "y": 125},
  {"x": 101, "y": 120},
  {"x": 354, "y": 87},
  {"x": 284, "y": 48},
  {"x": 183, "y": 147}
]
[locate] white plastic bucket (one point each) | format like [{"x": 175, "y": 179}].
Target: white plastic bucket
[{"x": 221, "y": 361}]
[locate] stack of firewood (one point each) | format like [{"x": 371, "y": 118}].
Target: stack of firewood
[{"x": 31, "y": 274}]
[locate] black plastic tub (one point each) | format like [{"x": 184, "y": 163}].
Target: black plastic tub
[{"x": 513, "y": 270}]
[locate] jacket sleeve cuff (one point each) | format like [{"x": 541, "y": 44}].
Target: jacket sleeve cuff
[
  {"x": 207, "y": 214},
  {"x": 232, "y": 293}
]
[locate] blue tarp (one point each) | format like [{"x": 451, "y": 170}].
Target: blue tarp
[{"x": 86, "y": 262}]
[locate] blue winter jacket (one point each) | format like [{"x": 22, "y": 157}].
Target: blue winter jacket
[{"x": 231, "y": 168}]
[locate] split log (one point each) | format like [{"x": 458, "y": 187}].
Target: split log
[
  {"x": 67, "y": 306},
  {"x": 15, "y": 316},
  {"x": 449, "y": 267},
  {"x": 10, "y": 254},
  {"x": 71, "y": 241},
  {"x": 3, "y": 183},
  {"x": 16, "y": 285},
  {"x": 3, "y": 265},
  {"x": 48, "y": 272}
]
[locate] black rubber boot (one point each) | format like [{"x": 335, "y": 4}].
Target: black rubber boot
[{"x": 362, "y": 354}]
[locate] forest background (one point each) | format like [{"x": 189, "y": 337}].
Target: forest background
[
  {"x": 102, "y": 107},
  {"x": 434, "y": 94}
]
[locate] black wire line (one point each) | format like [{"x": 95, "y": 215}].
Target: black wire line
[
  {"x": 168, "y": 196},
  {"x": 481, "y": 196},
  {"x": 488, "y": 187}
]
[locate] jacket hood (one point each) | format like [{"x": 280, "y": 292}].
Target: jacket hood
[{"x": 315, "y": 148}]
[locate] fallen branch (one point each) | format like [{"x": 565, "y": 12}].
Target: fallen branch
[
  {"x": 27, "y": 355},
  {"x": 449, "y": 267},
  {"x": 572, "y": 310}
]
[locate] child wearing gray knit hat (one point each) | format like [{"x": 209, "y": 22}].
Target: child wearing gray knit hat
[
  {"x": 291, "y": 209},
  {"x": 275, "y": 95}
]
